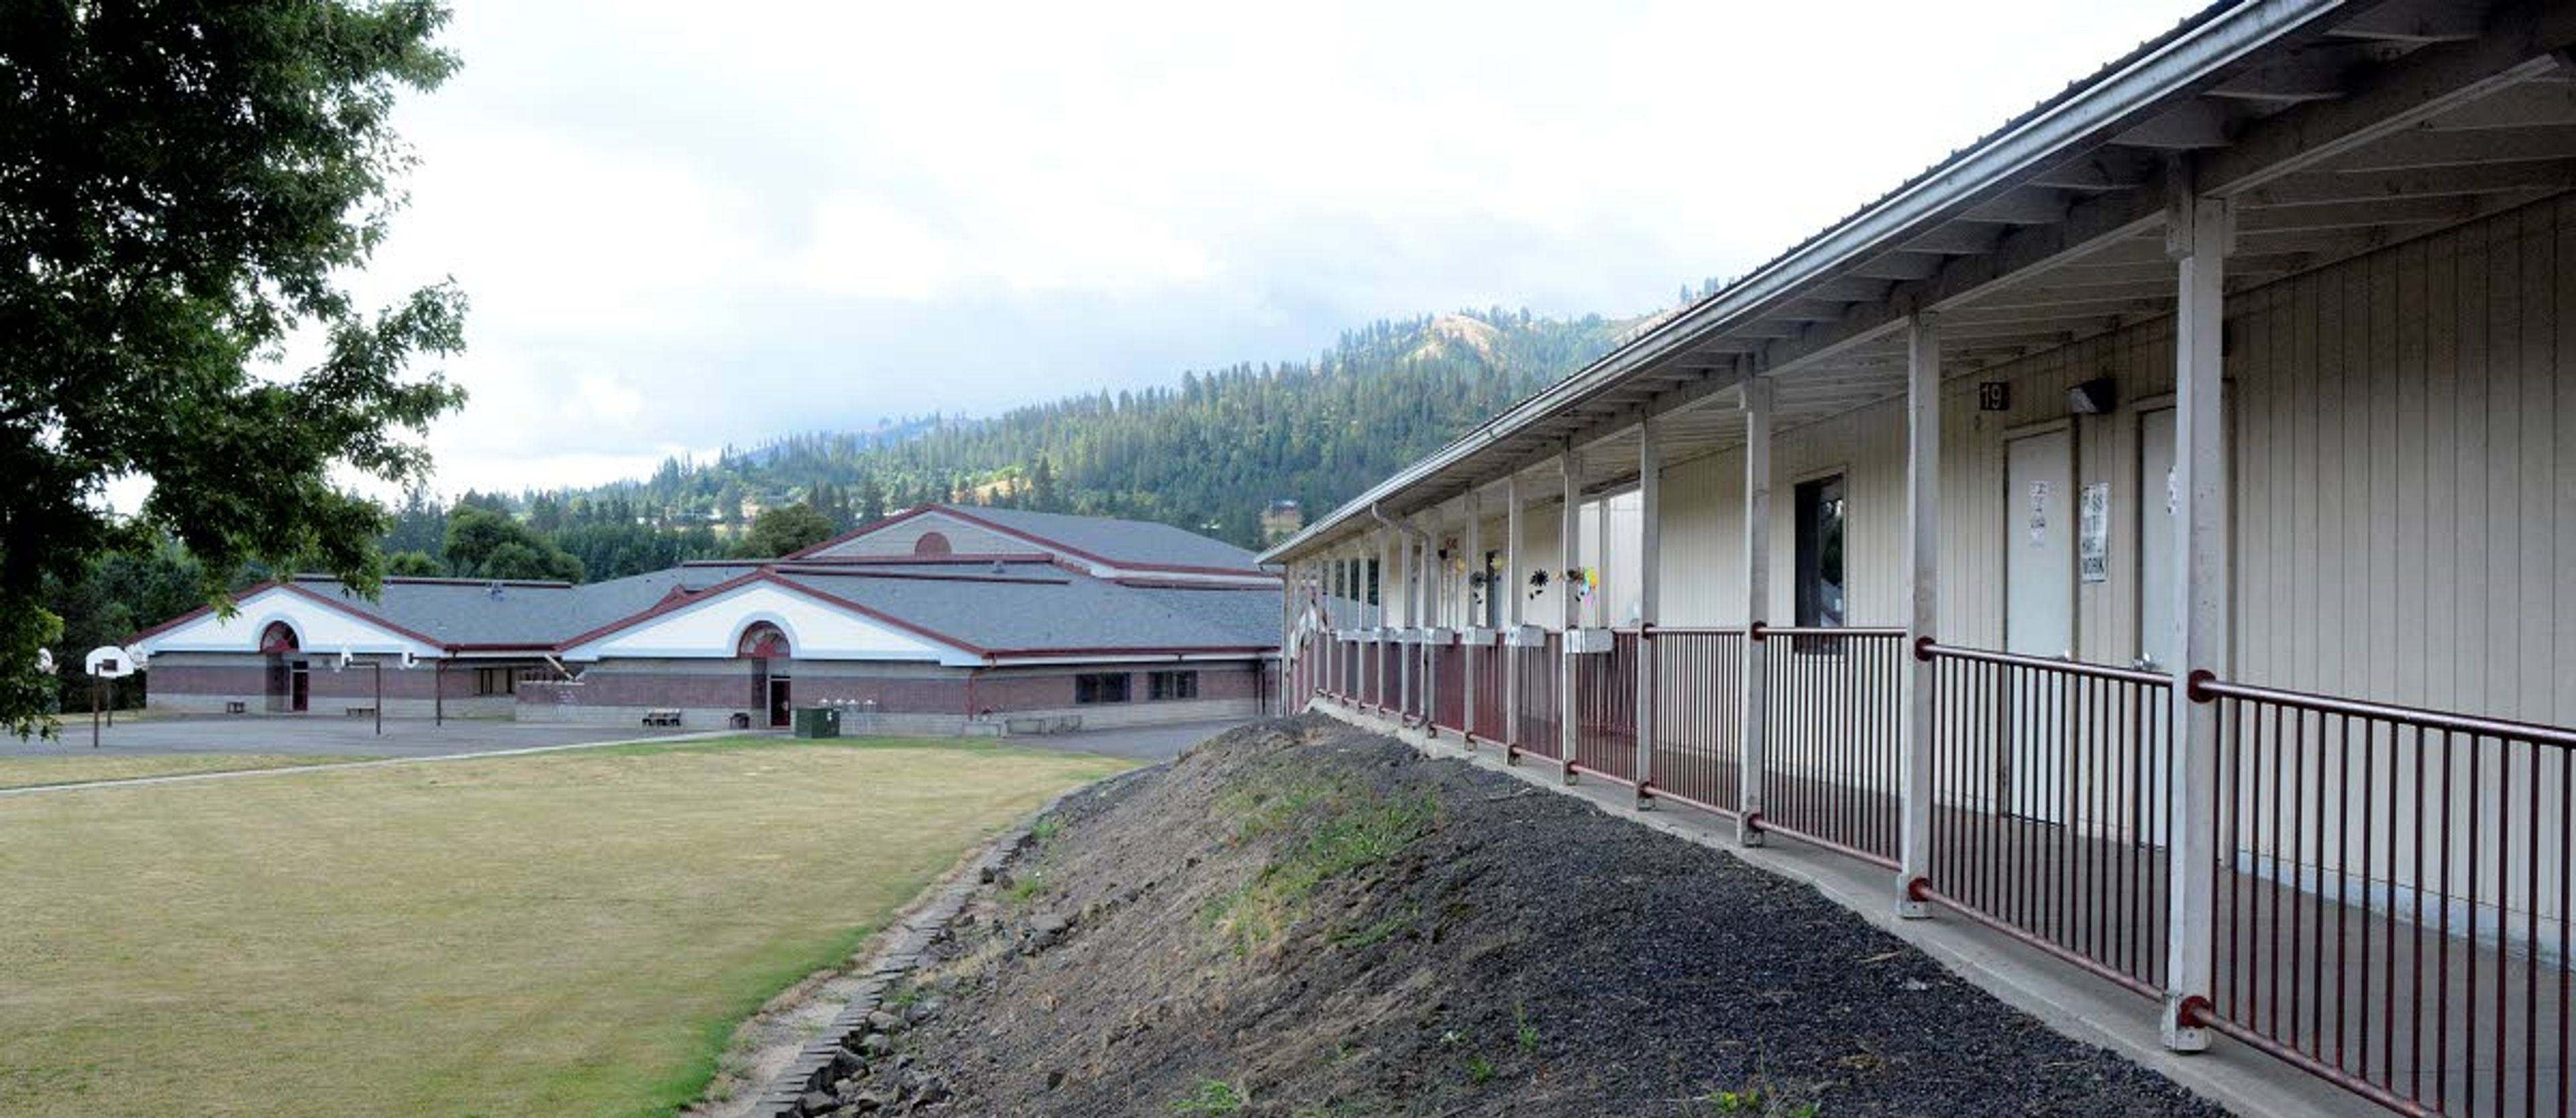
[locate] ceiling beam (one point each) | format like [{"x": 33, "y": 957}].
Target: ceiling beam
[
  {"x": 2414, "y": 149},
  {"x": 2189, "y": 126},
  {"x": 2313, "y": 187},
  {"x": 2519, "y": 41},
  {"x": 2413, "y": 21},
  {"x": 2357, "y": 215}
]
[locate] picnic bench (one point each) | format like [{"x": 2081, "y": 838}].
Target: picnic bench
[{"x": 662, "y": 717}]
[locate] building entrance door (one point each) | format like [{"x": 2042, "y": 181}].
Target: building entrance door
[
  {"x": 2039, "y": 613},
  {"x": 778, "y": 700}
]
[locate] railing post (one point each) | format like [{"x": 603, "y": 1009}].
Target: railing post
[
  {"x": 1915, "y": 793},
  {"x": 1650, "y": 585},
  {"x": 1569, "y": 611},
  {"x": 1517, "y": 536},
  {"x": 1756, "y": 726},
  {"x": 1474, "y": 619},
  {"x": 2198, "y": 235}
]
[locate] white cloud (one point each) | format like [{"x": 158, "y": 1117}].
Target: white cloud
[{"x": 685, "y": 224}]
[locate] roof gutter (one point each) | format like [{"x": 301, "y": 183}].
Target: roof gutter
[{"x": 1995, "y": 164}]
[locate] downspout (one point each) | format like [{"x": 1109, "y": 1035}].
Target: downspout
[{"x": 1412, "y": 591}]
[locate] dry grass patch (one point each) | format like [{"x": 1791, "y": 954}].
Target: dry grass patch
[
  {"x": 81, "y": 768},
  {"x": 560, "y": 934}
]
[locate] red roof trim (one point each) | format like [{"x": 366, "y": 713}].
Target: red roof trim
[
  {"x": 1193, "y": 650},
  {"x": 668, "y": 603},
  {"x": 768, "y": 575},
  {"x": 376, "y": 620}
]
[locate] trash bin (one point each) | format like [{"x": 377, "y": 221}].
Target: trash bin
[{"x": 816, "y": 722}]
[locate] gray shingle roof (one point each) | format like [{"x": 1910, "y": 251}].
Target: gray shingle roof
[
  {"x": 1124, "y": 542},
  {"x": 1015, "y": 606},
  {"x": 1040, "y": 608}
]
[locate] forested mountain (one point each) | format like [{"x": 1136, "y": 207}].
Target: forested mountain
[{"x": 1208, "y": 454}]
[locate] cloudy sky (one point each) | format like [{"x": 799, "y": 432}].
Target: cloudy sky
[{"x": 687, "y": 224}]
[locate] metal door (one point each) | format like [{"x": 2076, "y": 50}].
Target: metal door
[
  {"x": 2159, "y": 622},
  {"x": 2039, "y": 613}
]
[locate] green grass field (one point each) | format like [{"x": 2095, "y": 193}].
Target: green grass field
[
  {"x": 74, "y": 768},
  {"x": 561, "y": 934}
]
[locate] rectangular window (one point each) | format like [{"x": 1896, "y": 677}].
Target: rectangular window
[
  {"x": 1162, "y": 686},
  {"x": 496, "y": 681},
  {"x": 1105, "y": 687},
  {"x": 1822, "y": 511}
]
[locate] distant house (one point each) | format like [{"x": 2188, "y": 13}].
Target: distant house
[
  {"x": 1281, "y": 520},
  {"x": 937, "y": 620}
]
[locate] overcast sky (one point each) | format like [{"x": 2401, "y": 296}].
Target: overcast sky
[{"x": 690, "y": 224}]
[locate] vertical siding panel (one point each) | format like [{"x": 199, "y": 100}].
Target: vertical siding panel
[
  {"x": 2381, "y": 530},
  {"x": 2534, "y": 486},
  {"x": 2468, "y": 562},
  {"x": 2407, "y": 526},
  {"x": 2504, "y": 335},
  {"x": 2325, "y": 599},
  {"x": 2441, "y": 467},
  {"x": 2563, "y": 711},
  {"x": 2252, "y": 500}
]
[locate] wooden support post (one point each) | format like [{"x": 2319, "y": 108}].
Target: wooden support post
[
  {"x": 1650, "y": 589},
  {"x": 1755, "y": 723},
  {"x": 1516, "y": 548},
  {"x": 1915, "y": 792},
  {"x": 1383, "y": 589},
  {"x": 1475, "y": 618},
  {"x": 2199, "y": 233},
  {"x": 1569, "y": 609}
]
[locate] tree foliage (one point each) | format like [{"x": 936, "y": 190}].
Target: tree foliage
[
  {"x": 1208, "y": 455},
  {"x": 784, "y": 530},
  {"x": 483, "y": 544},
  {"x": 181, "y": 187}
]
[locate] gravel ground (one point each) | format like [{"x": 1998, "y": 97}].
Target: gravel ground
[{"x": 1302, "y": 920}]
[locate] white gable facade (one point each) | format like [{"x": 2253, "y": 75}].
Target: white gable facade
[
  {"x": 815, "y": 629},
  {"x": 320, "y": 629}
]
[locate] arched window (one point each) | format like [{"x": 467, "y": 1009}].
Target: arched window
[
  {"x": 278, "y": 639},
  {"x": 763, "y": 641},
  {"x": 932, "y": 543}
]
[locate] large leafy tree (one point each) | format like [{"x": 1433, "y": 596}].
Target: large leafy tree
[
  {"x": 485, "y": 544},
  {"x": 784, "y": 530},
  {"x": 183, "y": 187}
]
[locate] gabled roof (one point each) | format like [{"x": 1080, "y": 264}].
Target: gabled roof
[
  {"x": 1106, "y": 541},
  {"x": 1046, "y": 610}
]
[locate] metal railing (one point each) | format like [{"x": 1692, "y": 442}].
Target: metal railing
[
  {"x": 1697, "y": 686},
  {"x": 1449, "y": 685},
  {"x": 2391, "y": 890},
  {"x": 1605, "y": 710},
  {"x": 1830, "y": 772},
  {"x": 2392, "y": 901},
  {"x": 1493, "y": 663},
  {"x": 1534, "y": 732},
  {"x": 2053, "y": 806}
]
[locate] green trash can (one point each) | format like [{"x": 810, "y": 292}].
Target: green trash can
[{"x": 816, "y": 722}]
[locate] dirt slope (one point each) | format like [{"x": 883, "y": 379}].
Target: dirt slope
[{"x": 1302, "y": 920}]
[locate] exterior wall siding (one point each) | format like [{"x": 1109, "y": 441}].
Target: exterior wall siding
[{"x": 2402, "y": 432}]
